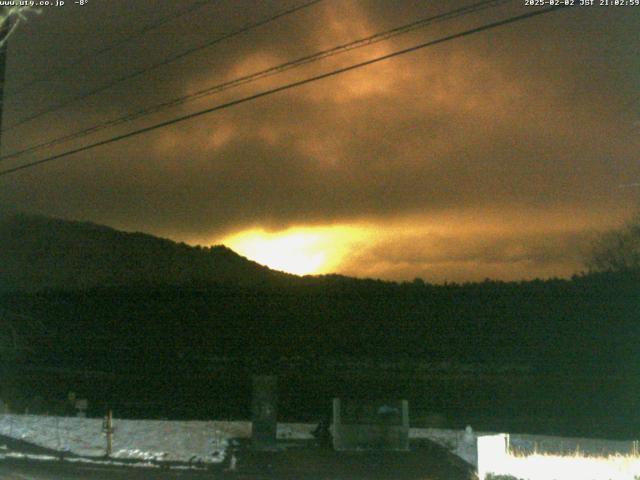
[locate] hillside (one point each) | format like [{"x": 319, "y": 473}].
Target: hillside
[
  {"x": 39, "y": 253},
  {"x": 156, "y": 328}
]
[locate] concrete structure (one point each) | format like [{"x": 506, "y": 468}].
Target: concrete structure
[
  {"x": 382, "y": 425},
  {"x": 264, "y": 412},
  {"x": 492, "y": 454},
  {"x": 82, "y": 404}
]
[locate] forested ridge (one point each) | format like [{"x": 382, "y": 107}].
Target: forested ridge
[{"x": 566, "y": 348}]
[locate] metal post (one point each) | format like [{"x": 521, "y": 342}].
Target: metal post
[{"x": 107, "y": 428}]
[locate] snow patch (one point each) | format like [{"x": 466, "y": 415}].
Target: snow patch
[{"x": 149, "y": 440}]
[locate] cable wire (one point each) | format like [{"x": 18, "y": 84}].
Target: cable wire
[
  {"x": 288, "y": 86},
  {"x": 346, "y": 47},
  {"x": 83, "y": 58},
  {"x": 162, "y": 63}
]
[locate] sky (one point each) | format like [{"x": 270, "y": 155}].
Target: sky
[{"x": 498, "y": 155}]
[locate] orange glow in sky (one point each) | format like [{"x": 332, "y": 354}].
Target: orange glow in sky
[
  {"x": 445, "y": 248},
  {"x": 298, "y": 250}
]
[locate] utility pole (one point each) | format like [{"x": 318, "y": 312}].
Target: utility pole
[
  {"x": 5, "y": 29},
  {"x": 7, "y": 24},
  {"x": 9, "y": 19}
]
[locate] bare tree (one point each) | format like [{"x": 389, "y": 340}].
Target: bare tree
[{"x": 617, "y": 250}]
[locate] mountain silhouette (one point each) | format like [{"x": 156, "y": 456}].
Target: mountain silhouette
[{"x": 38, "y": 252}]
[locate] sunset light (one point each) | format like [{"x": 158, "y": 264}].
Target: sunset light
[
  {"x": 336, "y": 238},
  {"x": 301, "y": 251}
]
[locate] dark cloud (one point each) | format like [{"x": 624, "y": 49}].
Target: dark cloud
[{"x": 533, "y": 117}]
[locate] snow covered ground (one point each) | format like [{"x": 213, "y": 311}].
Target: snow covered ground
[
  {"x": 181, "y": 441},
  {"x": 200, "y": 442},
  {"x": 463, "y": 443},
  {"x": 133, "y": 439},
  {"x": 174, "y": 441}
]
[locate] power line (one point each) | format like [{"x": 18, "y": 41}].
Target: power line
[
  {"x": 346, "y": 47},
  {"x": 288, "y": 86},
  {"x": 83, "y": 58},
  {"x": 164, "y": 62}
]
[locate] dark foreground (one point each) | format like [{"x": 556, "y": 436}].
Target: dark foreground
[{"x": 425, "y": 461}]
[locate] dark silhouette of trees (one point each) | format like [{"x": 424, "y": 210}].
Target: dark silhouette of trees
[{"x": 17, "y": 331}]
